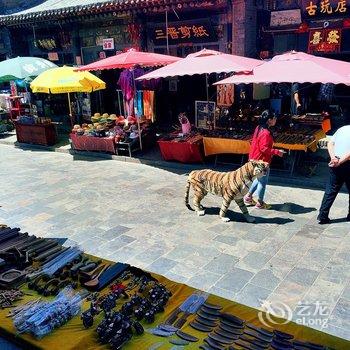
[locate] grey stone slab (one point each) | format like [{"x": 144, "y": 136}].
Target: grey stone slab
[
  {"x": 115, "y": 232},
  {"x": 221, "y": 264},
  {"x": 227, "y": 239},
  {"x": 223, "y": 293},
  {"x": 253, "y": 261},
  {"x": 118, "y": 242},
  {"x": 161, "y": 265},
  {"x": 203, "y": 280},
  {"x": 266, "y": 279},
  {"x": 253, "y": 295},
  {"x": 340, "y": 316},
  {"x": 234, "y": 280},
  {"x": 336, "y": 331},
  {"x": 346, "y": 293},
  {"x": 304, "y": 277},
  {"x": 256, "y": 237}
]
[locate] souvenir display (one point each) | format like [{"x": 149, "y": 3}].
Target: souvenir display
[{"x": 74, "y": 296}]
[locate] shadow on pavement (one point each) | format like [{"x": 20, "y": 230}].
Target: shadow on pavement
[
  {"x": 292, "y": 208},
  {"x": 238, "y": 217}
]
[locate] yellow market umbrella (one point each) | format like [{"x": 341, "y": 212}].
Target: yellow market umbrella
[{"x": 65, "y": 80}]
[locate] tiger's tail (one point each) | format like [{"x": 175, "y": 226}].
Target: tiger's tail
[{"x": 187, "y": 194}]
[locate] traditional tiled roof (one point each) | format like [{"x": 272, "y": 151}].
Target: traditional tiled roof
[{"x": 57, "y": 9}]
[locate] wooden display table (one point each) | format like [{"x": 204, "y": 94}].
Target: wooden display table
[{"x": 39, "y": 134}]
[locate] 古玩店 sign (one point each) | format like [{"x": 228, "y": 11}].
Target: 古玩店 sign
[
  {"x": 326, "y": 8},
  {"x": 324, "y": 40},
  {"x": 183, "y": 32}
]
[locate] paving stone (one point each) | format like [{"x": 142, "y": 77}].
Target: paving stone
[
  {"x": 304, "y": 277},
  {"x": 346, "y": 293},
  {"x": 252, "y": 295},
  {"x": 161, "y": 266},
  {"x": 336, "y": 331},
  {"x": 203, "y": 280},
  {"x": 223, "y": 293},
  {"x": 266, "y": 279},
  {"x": 227, "y": 239},
  {"x": 253, "y": 261},
  {"x": 340, "y": 316},
  {"x": 234, "y": 280},
  {"x": 221, "y": 264}
]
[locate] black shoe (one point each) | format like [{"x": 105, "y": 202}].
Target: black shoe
[
  {"x": 348, "y": 217},
  {"x": 324, "y": 221}
]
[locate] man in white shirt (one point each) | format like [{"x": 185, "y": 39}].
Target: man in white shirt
[{"x": 339, "y": 172}]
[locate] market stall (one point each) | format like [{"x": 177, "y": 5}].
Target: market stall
[
  {"x": 34, "y": 130},
  {"x": 57, "y": 297},
  {"x": 112, "y": 134},
  {"x": 137, "y": 99}
]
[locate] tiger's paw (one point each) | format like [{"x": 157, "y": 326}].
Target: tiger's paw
[
  {"x": 201, "y": 212},
  {"x": 225, "y": 219},
  {"x": 249, "y": 218}
]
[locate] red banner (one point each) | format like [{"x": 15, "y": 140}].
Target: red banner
[{"x": 324, "y": 40}]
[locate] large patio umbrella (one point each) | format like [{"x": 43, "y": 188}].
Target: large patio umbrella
[
  {"x": 130, "y": 59},
  {"x": 204, "y": 62},
  {"x": 66, "y": 80},
  {"x": 295, "y": 67},
  {"x": 23, "y": 68}
]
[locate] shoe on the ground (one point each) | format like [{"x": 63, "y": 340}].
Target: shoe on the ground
[
  {"x": 248, "y": 199},
  {"x": 262, "y": 205},
  {"x": 324, "y": 221},
  {"x": 348, "y": 217}
]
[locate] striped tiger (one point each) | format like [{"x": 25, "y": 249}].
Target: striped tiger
[{"x": 233, "y": 185}]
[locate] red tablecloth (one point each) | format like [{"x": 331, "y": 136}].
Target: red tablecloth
[
  {"x": 185, "y": 152},
  {"x": 90, "y": 143}
]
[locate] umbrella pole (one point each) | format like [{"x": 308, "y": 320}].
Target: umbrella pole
[
  {"x": 70, "y": 110},
  {"x": 206, "y": 86}
]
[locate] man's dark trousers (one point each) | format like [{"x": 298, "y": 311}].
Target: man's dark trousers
[{"x": 337, "y": 177}]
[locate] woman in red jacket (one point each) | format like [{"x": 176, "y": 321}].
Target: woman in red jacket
[{"x": 262, "y": 149}]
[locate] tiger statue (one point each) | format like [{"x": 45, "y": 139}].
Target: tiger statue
[{"x": 233, "y": 185}]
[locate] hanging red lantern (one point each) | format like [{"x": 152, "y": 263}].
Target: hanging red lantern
[
  {"x": 346, "y": 23},
  {"x": 303, "y": 28}
]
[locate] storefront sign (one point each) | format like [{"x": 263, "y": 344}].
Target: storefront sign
[
  {"x": 326, "y": 8},
  {"x": 108, "y": 44},
  {"x": 324, "y": 40},
  {"x": 285, "y": 18},
  {"x": 181, "y": 32},
  {"x": 53, "y": 56}
]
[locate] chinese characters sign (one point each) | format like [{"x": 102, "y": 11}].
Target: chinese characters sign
[
  {"x": 324, "y": 40},
  {"x": 181, "y": 32},
  {"x": 326, "y": 8}
]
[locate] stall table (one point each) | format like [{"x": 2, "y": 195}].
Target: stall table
[
  {"x": 188, "y": 151},
  {"x": 90, "y": 143},
  {"x": 217, "y": 145},
  {"x": 39, "y": 134}
]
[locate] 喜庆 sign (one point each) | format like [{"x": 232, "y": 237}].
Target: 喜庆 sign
[{"x": 324, "y": 40}]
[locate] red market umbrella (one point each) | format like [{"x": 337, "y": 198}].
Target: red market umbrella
[
  {"x": 204, "y": 62},
  {"x": 130, "y": 59},
  {"x": 295, "y": 67}
]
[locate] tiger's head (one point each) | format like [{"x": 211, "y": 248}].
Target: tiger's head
[{"x": 259, "y": 168}]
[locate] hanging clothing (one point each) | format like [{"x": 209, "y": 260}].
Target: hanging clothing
[
  {"x": 138, "y": 72},
  {"x": 139, "y": 103},
  {"x": 148, "y": 104},
  {"x": 129, "y": 107},
  {"x": 126, "y": 83}
]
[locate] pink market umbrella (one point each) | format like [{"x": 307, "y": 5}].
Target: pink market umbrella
[
  {"x": 295, "y": 67},
  {"x": 204, "y": 62},
  {"x": 130, "y": 59}
]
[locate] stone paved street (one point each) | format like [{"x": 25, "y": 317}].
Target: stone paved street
[{"x": 135, "y": 213}]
